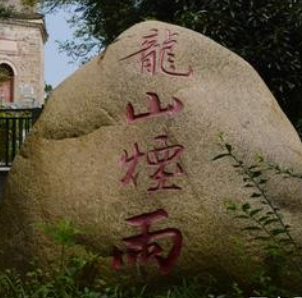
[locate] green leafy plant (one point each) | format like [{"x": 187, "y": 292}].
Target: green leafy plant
[
  {"x": 263, "y": 220},
  {"x": 63, "y": 233},
  {"x": 68, "y": 279}
]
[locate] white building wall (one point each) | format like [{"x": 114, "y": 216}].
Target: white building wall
[{"x": 22, "y": 47}]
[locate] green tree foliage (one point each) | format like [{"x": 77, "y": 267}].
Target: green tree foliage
[
  {"x": 267, "y": 33},
  {"x": 9, "y": 11},
  {"x": 5, "y": 12},
  {"x": 48, "y": 90}
]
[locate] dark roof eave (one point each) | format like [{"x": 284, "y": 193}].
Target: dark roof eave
[{"x": 25, "y": 16}]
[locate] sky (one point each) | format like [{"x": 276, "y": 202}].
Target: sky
[{"x": 57, "y": 66}]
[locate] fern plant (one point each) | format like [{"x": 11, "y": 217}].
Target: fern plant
[{"x": 261, "y": 217}]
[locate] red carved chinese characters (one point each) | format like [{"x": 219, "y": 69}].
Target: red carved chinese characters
[
  {"x": 132, "y": 163},
  {"x": 143, "y": 247},
  {"x": 159, "y": 57},
  {"x": 154, "y": 109},
  {"x": 167, "y": 57},
  {"x": 161, "y": 159}
]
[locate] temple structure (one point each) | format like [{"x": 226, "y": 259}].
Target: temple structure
[{"x": 22, "y": 38}]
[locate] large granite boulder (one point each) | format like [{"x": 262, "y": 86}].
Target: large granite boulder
[{"x": 125, "y": 147}]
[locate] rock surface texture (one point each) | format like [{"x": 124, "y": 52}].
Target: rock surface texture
[{"x": 132, "y": 135}]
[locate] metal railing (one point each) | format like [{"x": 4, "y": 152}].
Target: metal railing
[{"x": 14, "y": 128}]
